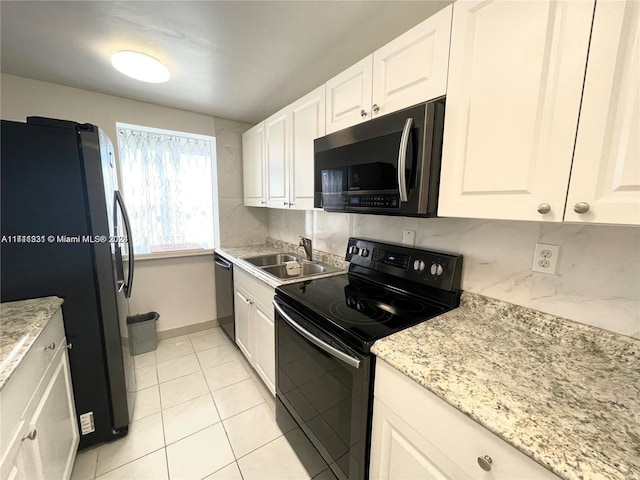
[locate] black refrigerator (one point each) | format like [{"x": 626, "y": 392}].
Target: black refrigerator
[{"x": 65, "y": 232}]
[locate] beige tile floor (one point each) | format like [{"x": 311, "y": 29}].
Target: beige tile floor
[{"x": 200, "y": 412}]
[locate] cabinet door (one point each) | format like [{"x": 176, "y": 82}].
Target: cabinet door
[
  {"x": 253, "y": 167},
  {"x": 20, "y": 460},
  {"x": 413, "y": 67},
  {"x": 265, "y": 352},
  {"x": 306, "y": 123},
  {"x": 516, "y": 71},
  {"x": 349, "y": 96},
  {"x": 54, "y": 421},
  {"x": 398, "y": 451},
  {"x": 277, "y": 159},
  {"x": 243, "y": 313},
  {"x": 606, "y": 164}
]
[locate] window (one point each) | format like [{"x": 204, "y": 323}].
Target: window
[{"x": 167, "y": 184}]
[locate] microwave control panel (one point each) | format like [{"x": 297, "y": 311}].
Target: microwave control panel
[{"x": 333, "y": 201}]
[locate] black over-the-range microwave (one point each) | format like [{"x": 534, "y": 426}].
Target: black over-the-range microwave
[{"x": 389, "y": 165}]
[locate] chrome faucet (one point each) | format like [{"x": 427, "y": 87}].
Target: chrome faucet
[{"x": 308, "y": 248}]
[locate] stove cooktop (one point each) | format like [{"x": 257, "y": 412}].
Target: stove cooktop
[
  {"x": 389, "y": 287},
  {"x": 358, "y": 309}
]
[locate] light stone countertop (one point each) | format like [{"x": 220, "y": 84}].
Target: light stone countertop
[
  {"x": 236, "y": 255},
  {"x": 21, "y": 323},
  {"x": 563, "y": 393}
]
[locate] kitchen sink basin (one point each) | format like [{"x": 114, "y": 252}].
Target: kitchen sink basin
[
  {"x": 271, "y": 259},
  {"x": 306, "y": 269}
]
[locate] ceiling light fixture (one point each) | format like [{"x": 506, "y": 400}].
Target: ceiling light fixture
[{"x": 140, "y": 66}]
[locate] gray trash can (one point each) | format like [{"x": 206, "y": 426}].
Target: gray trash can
[{"x": 142, "y": 332}]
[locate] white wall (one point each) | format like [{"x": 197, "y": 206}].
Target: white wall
[
  {"x": 181, "y": 290},
  {"x": 598, "y": 275}
]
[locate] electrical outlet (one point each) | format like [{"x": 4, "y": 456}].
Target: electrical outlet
[
  {"x": 545, "y": 258},
  {"x": 409, "y": 237}
]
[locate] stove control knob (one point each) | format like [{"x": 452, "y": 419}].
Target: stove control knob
[
  {"x": 364, "y": 252},
  {"x": 353, "y": 250},
  {"x": 436, "y": 269},
  {"x": 419, "y": 265}
]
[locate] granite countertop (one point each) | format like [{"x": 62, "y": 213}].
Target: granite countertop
[
  {"x": 21, "y": 323},
  {"x": 238, "y": 254},
  {"x": 564, "y": 393}
]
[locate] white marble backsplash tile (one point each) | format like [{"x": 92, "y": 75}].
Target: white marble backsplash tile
[
  {"x": 597, "y": 281},
  {"x": 331, "y": 232},
  {"x": 240, "y": 225},
  {"x": 229, "y": 157}
]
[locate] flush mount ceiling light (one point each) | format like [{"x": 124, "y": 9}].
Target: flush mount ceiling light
[{"x": 140, "y": 66}]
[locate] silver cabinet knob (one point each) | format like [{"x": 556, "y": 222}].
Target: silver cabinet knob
[
  {"x": 263, "y": 202},
  {"x": 285, "y": 203},
  {"x": 68, "y": 346},
  {"x": 544, "y": 208},
  {"x": 363, "y": 113},
  {"x": 30, "y": 436},
  {"x": 291, "y": 204},
  {"x": 485, "y": 463},
  {"x": 581, "y": 207},
  {"x": 51, "y": 346},
  {"x": 375, "y": 108}
]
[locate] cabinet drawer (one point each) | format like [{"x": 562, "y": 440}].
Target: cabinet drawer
[
  {"x": 443, "y": 426},
  {"x": 256, "y": 288},
  {"x": 19, "y": 389}
]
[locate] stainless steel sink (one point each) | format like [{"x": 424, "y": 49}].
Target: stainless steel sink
[
  {"x": 271, "y": 259},
  {"x": 307, "y": 269}
]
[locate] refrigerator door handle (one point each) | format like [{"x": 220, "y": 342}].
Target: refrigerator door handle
[{"x": 127, "y": 228}]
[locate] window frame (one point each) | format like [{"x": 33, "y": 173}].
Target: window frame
[{"x": 214, "y": 188}]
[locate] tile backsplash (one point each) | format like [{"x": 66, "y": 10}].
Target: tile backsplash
[{"x": 597, "y": 279}]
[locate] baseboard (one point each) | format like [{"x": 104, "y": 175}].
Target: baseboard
[
  {"x": 187, "y": 329},
  {"x": 178, "y": 332}
]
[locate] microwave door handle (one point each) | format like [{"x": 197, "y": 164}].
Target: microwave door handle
[
  {"x": 331, "y": 350},
  {"x": 402, "y": 160}
]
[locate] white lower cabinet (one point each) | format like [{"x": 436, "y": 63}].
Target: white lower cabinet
[
  {"x": 255, "y": 333},
  {"x": 417, "y": 435},
  {"x": 39, "y": 431}
]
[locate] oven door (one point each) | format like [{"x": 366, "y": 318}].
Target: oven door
[{"x": 327, "y": 388}]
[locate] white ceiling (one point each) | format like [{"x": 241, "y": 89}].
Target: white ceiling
[{"x": 241, "y": 60}]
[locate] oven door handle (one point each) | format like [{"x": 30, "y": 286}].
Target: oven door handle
[
  {"x": 402, "y": 160},
  {"x": 348, "y": 359}
]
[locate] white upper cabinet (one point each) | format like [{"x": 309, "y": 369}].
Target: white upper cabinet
[
  {"x": 349, "y": 96},
  {"x": 408, "y": 70},
  {"x": 413, "y": 67},
  {"x": 306, "y": 123},
  {"x": 253, "y": 177},
  {"x": 277, "y": 155},
  {"x": 276, "y": 160},
  {"x": 516, "y": 72},
  {"x": 606, "y": 165}
]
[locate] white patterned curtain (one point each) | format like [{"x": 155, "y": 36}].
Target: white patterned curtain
[{"x": 167, "y": 188}]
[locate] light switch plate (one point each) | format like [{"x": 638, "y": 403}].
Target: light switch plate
[{"x": 409, "y": 237}]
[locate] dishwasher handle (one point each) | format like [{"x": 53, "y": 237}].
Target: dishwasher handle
[{"x": 222, "y": 263}]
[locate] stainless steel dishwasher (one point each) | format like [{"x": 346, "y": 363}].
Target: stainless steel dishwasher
[{"x": 224, "y": 295}]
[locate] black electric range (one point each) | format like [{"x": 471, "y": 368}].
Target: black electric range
[{"x": 324, "y": 332}]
